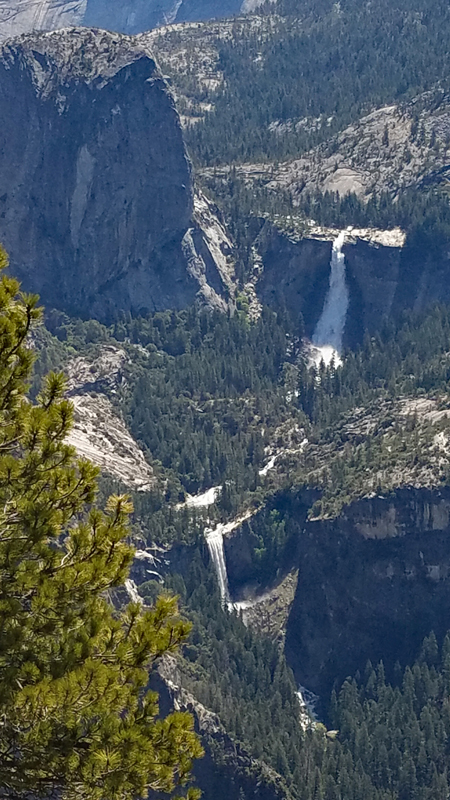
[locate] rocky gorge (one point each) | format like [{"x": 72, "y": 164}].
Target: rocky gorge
[{"x": 298, "y": 506}]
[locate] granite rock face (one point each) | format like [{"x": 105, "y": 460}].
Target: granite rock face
[
  {"x": 24, "y": 16},
  {"x": 372, "y": 584},
  {"x": 132, "y": 16},
  {"x": 96, "y": 197},
  {"x": 384, "y": 276}
]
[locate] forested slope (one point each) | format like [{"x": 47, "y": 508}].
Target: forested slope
[
  {"x": 241, "y": 392},
  {"x": 335, "y": 479},
  {"x": 292, "y": 80}
]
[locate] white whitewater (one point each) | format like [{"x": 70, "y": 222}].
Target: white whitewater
[
  {"x": 308, "y": 701},
  {"x": 132, "y": 591},
  {"x": 214, "y": 540},
  {"x": 202, "y": 500},
  {"x": 327, "y": 338}
]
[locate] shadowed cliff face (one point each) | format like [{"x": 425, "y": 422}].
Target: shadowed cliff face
[
  {"x": 372, "y": 583},
  {"x": 295, "y": 274},
  {"x": 96, "y": 192},
  {"x": 383, "y": 278}
]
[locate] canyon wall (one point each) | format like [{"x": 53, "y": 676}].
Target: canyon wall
[
  {"x": 371, "y": 584},
  {"x": 385, "y": 276},
  {"x": 133, "y": 16},
  {"x": 96, "y": 199}
]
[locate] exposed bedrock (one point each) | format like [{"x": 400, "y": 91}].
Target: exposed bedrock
[
  {"x": 96, "y": 199},
  {"x": 372, "y": 583},
  {"x": 295, "y": 274},
  {"x": 125, "y": 16},
  {"x": 384, "y": 276}
]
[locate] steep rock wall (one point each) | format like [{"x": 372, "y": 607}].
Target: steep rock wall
[
  {"x": 385, "y": 276},
  {"x": 96, "y": 200},
  {"x": 372, "y": 583},
  {"x": 296, "y": 275},
  {"x": 133, "y": 16}
]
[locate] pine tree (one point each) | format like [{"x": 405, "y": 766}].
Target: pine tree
[{"x": 75, "y": 717}]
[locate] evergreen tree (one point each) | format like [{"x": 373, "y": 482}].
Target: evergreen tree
[{"x": 76, "y": 719}]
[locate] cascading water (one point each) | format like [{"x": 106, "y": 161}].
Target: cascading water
[
  {"x": 132, "y": 591},
  {"x": 214, "y": 540},
  {"x": 327, "y": 338}
]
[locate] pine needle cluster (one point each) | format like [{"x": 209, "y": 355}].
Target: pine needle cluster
[{"x": 76, "y": 718}]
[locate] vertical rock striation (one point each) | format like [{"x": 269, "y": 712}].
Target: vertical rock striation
[
  {"x": 96, "y": 196},
  {"x": 131, "y": 16},
  {"x": 23, "y": 16}
]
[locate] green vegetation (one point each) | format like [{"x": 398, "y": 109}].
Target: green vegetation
[
  {"x": 398, "y": 734},
  {"x": 219, "y": 381},
  {"x": 390, "y": 742},
  {"x": 203, "y": 393},
  {"x": 206, "y": 394},
  {"x": 292, "y": 83},
  {"x": 423, "y": 214},
  {"x": 76, "y": 719}
]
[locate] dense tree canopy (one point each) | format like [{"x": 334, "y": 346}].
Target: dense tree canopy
[
  {"x": 76, "y": 719},
  {"x": 318, "y": 67}
]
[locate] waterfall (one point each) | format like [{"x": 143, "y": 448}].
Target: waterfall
[
  {"x": 327, "y": 338},
  {"x": 214, "y": 540},
  {"x": 132, "y": 591},
  {"x": 307, "y": 701}
]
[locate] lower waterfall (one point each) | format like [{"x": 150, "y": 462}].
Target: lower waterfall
[
  {"x": 327, "y": 338},
  {"x": 132, "y": 591},
  {"x": 214, "y": 540}
]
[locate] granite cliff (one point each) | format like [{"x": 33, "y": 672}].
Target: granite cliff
[
  {"x": 96, "y": 204},
  {"x": 371, "y": 583},
  {"x": 135, "y": 16},
  {"x": 294, "y": 274}
]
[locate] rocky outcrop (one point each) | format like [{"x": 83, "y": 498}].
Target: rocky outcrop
[
  {"x": 98, "y": 432},
  {"x": 390, "y": 149},
  {"x": 96, "y": 201}
]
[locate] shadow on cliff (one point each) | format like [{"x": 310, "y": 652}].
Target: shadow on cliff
[{"x": 371, "y": 585}]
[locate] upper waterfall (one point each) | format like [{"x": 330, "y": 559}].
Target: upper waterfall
[{"x": 327, "y": 337}]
